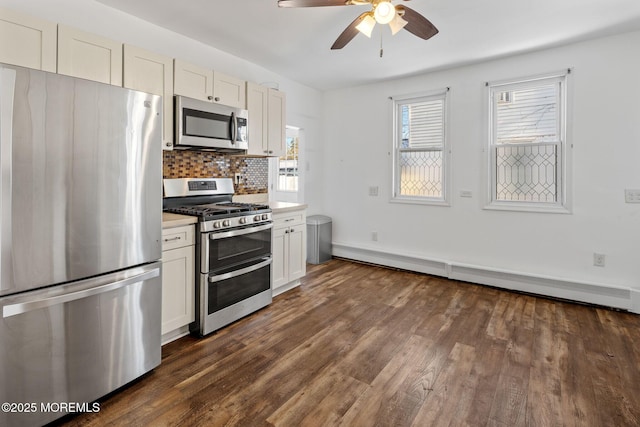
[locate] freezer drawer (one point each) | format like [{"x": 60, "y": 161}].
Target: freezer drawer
[{"x": 78, "y": 342}]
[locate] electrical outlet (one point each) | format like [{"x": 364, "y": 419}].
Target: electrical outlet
[
  {"x": 374, "y": 236},
  {"x": 466, "y": 193},
  {"x": 238, "y": 178},
  {"x": 632, "y": 196},
  {"x": 599, "y": 259},
  {"x": 373, "y": 191}
]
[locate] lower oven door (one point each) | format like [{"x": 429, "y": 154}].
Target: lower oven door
[
  {"x": 227, "y": 296},
  {"x": 224, "y": 249}
]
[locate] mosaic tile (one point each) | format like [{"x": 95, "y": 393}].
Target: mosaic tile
[{"x": 203, "y": 164}]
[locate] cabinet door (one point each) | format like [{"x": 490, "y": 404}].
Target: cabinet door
[
  {"x": 27, "y": 42},
  {"x": 297, "y": 252},
  {"x": 229, "y": 90},
  {"x": 152, "y": 73},
  {"x": 192, "y": 81},
  {"x": 257, "y": 105},
  {"x": 178, "y": 301},
  {"x": 280, "y": 263},
  {"x": 89, "y": 56},
  {"x": 277, "y": 123}
]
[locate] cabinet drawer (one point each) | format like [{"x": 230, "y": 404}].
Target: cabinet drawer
[
  {"x": 177, "y": 237},
  {"x": 289, "y": 219}
]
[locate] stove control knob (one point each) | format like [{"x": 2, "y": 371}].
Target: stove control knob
[
  {"x": 226, "y": 223},
  {"x": 217, "y": 224},
  {"x": 243, "y": 220},
  {"x": 265, "y": 217},
  {"x": 257, "y": 218}
]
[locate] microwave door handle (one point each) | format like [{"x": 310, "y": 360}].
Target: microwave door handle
[{"x": 234, "y": 128}]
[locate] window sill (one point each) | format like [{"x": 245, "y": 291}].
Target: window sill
[
  {"x": 527, "y": 207},
  {"x": 420, "y": 201}
]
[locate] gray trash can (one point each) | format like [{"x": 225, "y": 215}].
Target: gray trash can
[{"x": 318, "y": 239}]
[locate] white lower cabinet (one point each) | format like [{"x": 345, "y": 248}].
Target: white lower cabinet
[
  {"x": 178, "y": 285},
  {"x": 289, "y": 250}
]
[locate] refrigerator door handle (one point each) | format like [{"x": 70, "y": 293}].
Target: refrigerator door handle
[
  {"x": 23, "y": 307},
  {"x": 7, "y": 90}
]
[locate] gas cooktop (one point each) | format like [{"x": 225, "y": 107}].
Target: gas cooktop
[{"x": 211, "y": 211}]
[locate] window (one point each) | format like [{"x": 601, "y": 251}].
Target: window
[
  {"x": 527, "y": 144},
  {"x": 420, "y": 155},
  {"x": 288, "y": 164}
]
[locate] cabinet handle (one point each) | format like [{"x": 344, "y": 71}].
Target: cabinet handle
[
  {"x": 210, "y": 98},
  {"x": 217, "y": 99},
  {"x": 172, "y": 239},
  {"x": 286, "y": 231},
  {"x": 289, "y": 219},
  {"x": 292, "y": 230}
]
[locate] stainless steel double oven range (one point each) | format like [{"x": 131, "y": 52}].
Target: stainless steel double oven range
[{"x": 233, "y": 250}]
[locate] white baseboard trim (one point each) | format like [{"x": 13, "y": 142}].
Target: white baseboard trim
[
  {"x": 592, "y": 293},
  {"x": 635, "y": 301},
  {"x": 282, "y": 289},
  {"x": 174, "y": 335}
]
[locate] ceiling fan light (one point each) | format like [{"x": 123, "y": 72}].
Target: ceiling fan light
[
  {"x": 397, "y": 24},
  {"x": 384, "y": 12},
  {"x": 366, "y": 25}
]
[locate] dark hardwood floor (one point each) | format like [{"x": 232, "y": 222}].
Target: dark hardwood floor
[{"x": 363, "y": 345}]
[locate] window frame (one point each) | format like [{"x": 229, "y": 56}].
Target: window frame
[
  {"x": 397, "y": 101},
  {"x": 291, "y": 132},
  {"x": 562, "y": 165}
]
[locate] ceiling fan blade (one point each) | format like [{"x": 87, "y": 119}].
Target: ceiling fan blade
[
  {"x": 349, "y": 33},
  {"x": 417, "y": 24},
  {"x": 312, "y": 3}
]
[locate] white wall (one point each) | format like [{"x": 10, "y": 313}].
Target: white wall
[
  {"x": 605, "y": 118},
  {"x": 303, "y": 103}
]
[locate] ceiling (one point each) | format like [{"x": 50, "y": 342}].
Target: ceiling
[{"x": 295, "y": 42}]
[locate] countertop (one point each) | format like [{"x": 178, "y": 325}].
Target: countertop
[
  {"x": 170, "y": 220},
  {"x": 282, "y": 207}
]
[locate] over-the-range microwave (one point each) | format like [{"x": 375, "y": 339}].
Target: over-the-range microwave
[{"x": 205, "y": 125}]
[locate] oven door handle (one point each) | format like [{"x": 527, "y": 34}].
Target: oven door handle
[
  {"x": 240, "y": 272},
  {"x": 233, "y": 233}
]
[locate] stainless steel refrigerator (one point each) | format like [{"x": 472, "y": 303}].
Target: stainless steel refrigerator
[{"x": 80, "y": 230}]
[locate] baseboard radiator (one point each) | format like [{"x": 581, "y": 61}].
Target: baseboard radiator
[{"x": 618, "y": 297}]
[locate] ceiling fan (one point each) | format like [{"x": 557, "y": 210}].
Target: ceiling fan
[{"x": 382, "y": 12}]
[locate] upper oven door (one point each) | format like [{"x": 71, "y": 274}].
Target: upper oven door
[
  {"x": 207, "y": 125},
  {"x": 228, "y": 248}
]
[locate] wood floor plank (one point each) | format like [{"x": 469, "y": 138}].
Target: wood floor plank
[
  {"x": 361, "y": 345},
  {"x": 444, "y": 403}
]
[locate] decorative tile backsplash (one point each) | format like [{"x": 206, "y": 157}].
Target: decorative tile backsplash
[{"x": 204, "y": 164}]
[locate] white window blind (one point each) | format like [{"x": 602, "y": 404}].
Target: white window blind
[{"x": 424, "y": 124}]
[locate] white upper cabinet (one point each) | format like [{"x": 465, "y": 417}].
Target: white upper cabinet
[
  {"x": 88, "y": 56},
  {"x": 208, "y": 85},
  {"x": 27, "y": 41},
  {"x": 257, "y": 105},
  {"x": 152, "y": 73},
  {"x": 192, "y": 81},
  {"x": 277, "y": 123},
  {"x": 267, "y": 120},
  {"x": 229, "y": 90}
]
